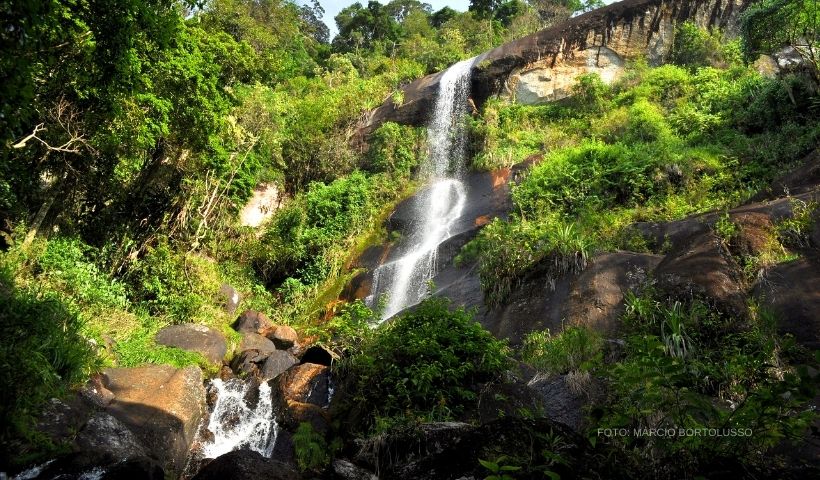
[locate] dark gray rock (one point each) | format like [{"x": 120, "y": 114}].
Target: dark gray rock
[
  {"x": 254, "y": 341},
  {"x": 230, "y": 298},
  {"x": 107, "y": 435},
  {"x": 249, "y": 362},
  {"x": 703, "y": 267},
  {"x": 195, "y": 338},
  {"x": 792, "y": 291},
  {"x": 244, "y": 465},
  {"x": 276, "y": 364}
]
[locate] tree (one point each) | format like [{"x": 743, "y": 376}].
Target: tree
[
  {"x": 311, "y": 16},
  {"x": 770, "y": 25},
  {"x": 361, "y": 27}
]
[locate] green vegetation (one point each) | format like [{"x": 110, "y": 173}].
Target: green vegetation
[
  {"x": 574, "y": 349},
  {"x": 426, "y": 365},
  {"x": 688, "y": 367},
  {"x": 133, "y": 132},
  {"x": 311, "y": 448},
  {"x": 658, "y": 145}
]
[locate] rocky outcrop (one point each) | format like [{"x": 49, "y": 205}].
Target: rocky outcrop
[
  {"x": 161, "y": 405},
  {"x": 126, "y": 423},
  {"x": 543, "y": 66},
  {"x": 195, "y": 338}
]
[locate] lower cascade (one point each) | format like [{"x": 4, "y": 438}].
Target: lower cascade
[
  {"x": 439, "y": 207},
  {"x": 241, "y": 419}
]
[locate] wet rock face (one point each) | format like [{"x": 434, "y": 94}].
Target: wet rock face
[
  {"x": 161, "y": 405},
  {"x": 543, "y": 66},
  {"x": 195, "y": 338}
]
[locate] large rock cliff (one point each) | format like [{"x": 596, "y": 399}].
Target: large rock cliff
[{"x": 543, "y": 66}]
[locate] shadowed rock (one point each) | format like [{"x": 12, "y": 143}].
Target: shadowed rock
[
  {"x": 792, "y": 291},
  {"x": 251, "y": 321},
  {"x": 246, "y": 464},
  {"x": 254, "y": 341}
]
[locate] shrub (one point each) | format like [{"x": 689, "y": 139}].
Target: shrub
[
  {"x": 42, "y": 353},
  {"x": 395, "y": 149},
  {"x": 429, "y": 363},
  {"x": 310, "y": 447},
  {"x": 576, "y": 348}
]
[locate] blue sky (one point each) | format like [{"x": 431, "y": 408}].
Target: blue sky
[{"x": 333, "y": 7}]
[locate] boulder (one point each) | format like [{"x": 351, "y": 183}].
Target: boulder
[
  {"x": 283, "y": 337},
  {"x": 304, "y": 393},
  {"x": 254, "y": 341},
  {"x": 161, "y": 405},
  {"x": 106, "y": 435},
  {"x": 792, "y": 291},
  {"x": 246, "y": 464},
  {"x": 195, "y": 338},
  {"x": 755, "y": 233},
  {"x": 277, "y": 363},
  {"x": 703, "y": 267},
  {"x": 95, "y": 393},
  {"x": 251, "y": 321},
  {"x": 248, "y": 362},
  {"x": 596, "y": 299}
]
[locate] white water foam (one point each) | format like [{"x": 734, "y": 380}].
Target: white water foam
[
  {"x": 237, "y": 425},
  {"x": 439, "y": 207}
]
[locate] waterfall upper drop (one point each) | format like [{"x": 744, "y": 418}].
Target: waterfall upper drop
[{"x": 440, "y": 205}]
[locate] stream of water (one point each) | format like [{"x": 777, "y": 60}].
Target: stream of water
[
  {"x": 237, "y": 423},
  {"x": 437, "y": 207}
]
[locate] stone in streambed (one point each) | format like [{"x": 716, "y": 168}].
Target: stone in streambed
[{"x": 251, "y": 321}]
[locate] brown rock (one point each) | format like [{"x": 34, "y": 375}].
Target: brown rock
[
  {"x": 597, "y": 296},
  {"x": 304, "y": 395},
  {"x": 283, "y": 337},
  {"x": 195, "y": 338},
  {"x": 755, "y": 233},
  {"x": 252, "y": 321},
  {"x": 703, "y": 267},
  {"x": 161, "y": 405}
]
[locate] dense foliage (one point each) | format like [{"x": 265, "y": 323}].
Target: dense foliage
[{"x": 428, "y": 364}]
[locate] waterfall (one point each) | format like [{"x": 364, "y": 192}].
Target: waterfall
[
  {"x": 439, "y": 206},
  {"x": 236, "y": 423}
]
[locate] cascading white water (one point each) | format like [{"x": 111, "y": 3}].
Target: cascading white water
[
  {"x": 235, "y": 424},
  {"x": 404, "y": 280}
]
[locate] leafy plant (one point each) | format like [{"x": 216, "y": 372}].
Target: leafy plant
[
  {"x": 428, "y": 363},
  {"x": 575, "y": 348},
  {"x": 499, "y": 469},
  {"x": 311, "y": 448}
]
